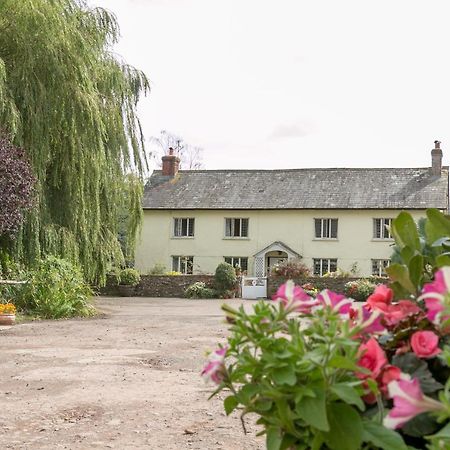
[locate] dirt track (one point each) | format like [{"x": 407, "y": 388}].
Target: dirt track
[{"x": 128, "y": 380}]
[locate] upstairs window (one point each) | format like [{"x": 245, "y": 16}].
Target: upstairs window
[
  {"x": 326, "y": 228},
  {"x": 183, "y": 264},
  {"x": 381, "y": 228},
  {"x": 236, "y": 227},
  {"x": 183, "y": 227},
  {"x": 324, "y": 265},
  {"x": 379, "y": 267},
  {"x": 237, "y": 261}
]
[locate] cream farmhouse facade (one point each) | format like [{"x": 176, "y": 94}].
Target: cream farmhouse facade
[{"x": 330, "y": 218}]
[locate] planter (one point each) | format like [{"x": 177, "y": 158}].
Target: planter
[
  {"x": 126, "y": 290},
  {"x": 7, "y": 319}
]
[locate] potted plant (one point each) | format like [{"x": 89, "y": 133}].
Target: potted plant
[
  {"x": 7, "y": 314},
  {"x": 129, "y": 278}
]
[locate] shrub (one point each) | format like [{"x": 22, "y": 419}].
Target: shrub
[
  {"x": 292, "y": 268},
  {"x": 158, "y": 269},
  {"x": 199, "y": 290},
  {"x": 129, "y": 277},
  {"x": 359, "y": 289},
  {"x": 55, "y": 289},
  {"x": 225, "y": 278}
]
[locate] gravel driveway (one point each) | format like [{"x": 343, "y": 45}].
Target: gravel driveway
[{"x": 128, "y": 379}]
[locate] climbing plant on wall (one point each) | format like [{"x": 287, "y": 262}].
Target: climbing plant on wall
[{"x": 70, "y": 102}]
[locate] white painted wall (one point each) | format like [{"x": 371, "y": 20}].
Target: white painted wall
[{"x": 295, "y": 228}]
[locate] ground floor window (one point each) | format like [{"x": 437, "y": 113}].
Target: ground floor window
[
  {"x": 240, "y": 261},
  {"x": 324, "y": 265},
  {"x": 379, "y": 267},
  {"x": 183, "y": 264}
]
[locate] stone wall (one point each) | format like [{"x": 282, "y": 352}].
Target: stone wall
[{"x": 160, "y": 285}]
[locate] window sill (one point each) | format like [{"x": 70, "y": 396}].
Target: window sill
[
  {"x": 382, "y": 240},
  {"x": 235, "y": 238},
  {"x": 326, "y": 239},
  {"x": 182, "y": 237}
]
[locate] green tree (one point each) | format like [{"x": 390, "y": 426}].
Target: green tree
[{"x": 71, "y": 103}]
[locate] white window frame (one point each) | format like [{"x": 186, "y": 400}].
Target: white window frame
[
  {"x": 384, "y": 233},
  {"x": 177, "y": 231},
  {"x": 325, "y": 228},
  {"x": 237, "y": 261},
  {"x": 381, "y": 265},
  {"x": 232, "y": 227},
  {"x": 181, "y": 264},
  {"x": 325, "y": 264}
]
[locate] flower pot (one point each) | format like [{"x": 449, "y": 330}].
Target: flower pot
[
  {"x": 126, "y": 290},
  {"x": 7, "y": 319}
]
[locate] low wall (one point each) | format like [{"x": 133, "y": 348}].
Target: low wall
[
  {"x": 333, "y": 284},
  {"x": 160, "y": 285}
]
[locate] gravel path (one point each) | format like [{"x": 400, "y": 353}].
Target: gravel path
[{"x": 128, "y": 379}]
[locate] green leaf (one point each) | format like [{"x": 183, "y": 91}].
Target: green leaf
[
  {"x": 230, "y": 404},
  {"x": 415, "y": 267},
  {"x": 273, "y": 438},
  {"x": 410, "y": 364},
  {"x": 284, "y": 375},
  {"x": 341, "y": 362},
  {"x": 382, "y": 437},
  {"x": 437, "y": 226},
  {"x": 400, "y": 274},
  {"x": 421, "y": 425},
  {"x": 405, "y": 233},
  {"x": 348, "y": 394},
  {"x": 247, "y": 392},
  {"x": 442, "y": 260},
  {"x": 313, "y": 410},
  {"x": 346, "y": 431},
  {"x": 443, "y": 433}
]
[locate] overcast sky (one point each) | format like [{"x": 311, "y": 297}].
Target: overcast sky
[{"x": 294, "y": 83}]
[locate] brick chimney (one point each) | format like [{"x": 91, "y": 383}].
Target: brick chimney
[
  {"x": 170, "y": 164},
  {"x": 436, "y": 159}
]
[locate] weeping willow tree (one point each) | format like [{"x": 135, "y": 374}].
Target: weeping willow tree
[{"x": 71, "y": 103}]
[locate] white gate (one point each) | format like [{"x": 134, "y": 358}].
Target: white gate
[{"x": 254, "y": 287}]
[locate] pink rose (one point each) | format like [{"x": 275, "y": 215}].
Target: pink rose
[
  {"x": 294, "y": 298},
  {"x": 372, "y": 357},
  {"x": 397, "y": 312},
  {"x": 409, "y": 401},
  {"x": 425, "y": 344},
  {"x": 381, "y": 297},
  {"x": 337, "y": 302}
]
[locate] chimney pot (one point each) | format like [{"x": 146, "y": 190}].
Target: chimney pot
[
  {"x": 436, "y": 159},
  {"x": 170, "y": 164}
]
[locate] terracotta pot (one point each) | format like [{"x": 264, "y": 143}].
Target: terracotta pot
[{"x": 7, "y": 319}]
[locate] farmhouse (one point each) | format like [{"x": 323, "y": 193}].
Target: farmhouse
[{"x": 330, "y": 218}]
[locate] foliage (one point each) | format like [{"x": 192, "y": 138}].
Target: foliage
[
  {"x": 173, "y": 273},
  {"x": 129, "y": 277},
  {"x": 331, "y": 373},
  {"x": 359, "y": 289},
  {"x": 158, "y": 269},
  {"x": 225, "y": 278},
  {"x": 55, "y": 289},
  {"x": 7, "y": 308},
  {"x": 292, "y": 268},
  {"x": 71, "y": 103},
  {"x": 341, "y": 273},
  {"x": 16, "y": 186},
  {"x": 199, "y": 290},
  {"x": 310, "y": 289}
]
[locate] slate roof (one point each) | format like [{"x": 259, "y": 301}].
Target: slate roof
[{"x": 298, "y": 189}]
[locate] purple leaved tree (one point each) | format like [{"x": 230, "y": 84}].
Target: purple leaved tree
[{"x": 16, "y": 186}]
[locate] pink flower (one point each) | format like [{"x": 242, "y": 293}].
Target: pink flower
[
  {"x": 425, "y": 344},
  {"x": 294, "y": 298},
  {"x": 214, "y": 369},
  {"x": 369, "y": 321},
  {"x": 389, "y": 373},
  {"x": 397, "y": 312},
  {"x": 434, "y": 295},
  {"x": 409, "y": 401},
  {"x": 372, "y": 357},
  {"x": 337, "y": 302},
  {"x": 381, "y": 297}
]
